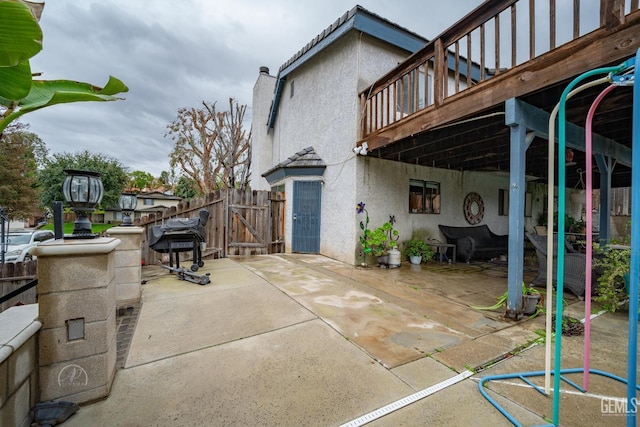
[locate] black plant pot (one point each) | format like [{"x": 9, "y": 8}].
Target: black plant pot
[
  {"x": 530, "y": 303},
  {"x": 383, "y": 260}
]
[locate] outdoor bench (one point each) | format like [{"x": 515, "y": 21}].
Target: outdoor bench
[{"x": 477, "y": 242}]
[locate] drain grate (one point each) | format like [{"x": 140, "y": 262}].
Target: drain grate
[{"x": 378, "y": 413}]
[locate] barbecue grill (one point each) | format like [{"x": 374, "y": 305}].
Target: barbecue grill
[{"x": 181, "y": 235}]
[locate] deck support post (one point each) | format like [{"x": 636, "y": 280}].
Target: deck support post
[
  {"x": 605, "y": 167},
  {"x": 521, "y": 138}
]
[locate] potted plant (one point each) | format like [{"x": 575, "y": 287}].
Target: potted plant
[
  {"x": 613, "y": 266},
  {"x": 576, "y": 225},
  {"x": 531, "y": 300},
  {"x": 381, "y": 241},
  {"x": 417, "y": 250},
  {"x": 366, "y": 234},
  {"x": 571, "y": 224},
  {"x": 541, "y": 226}
]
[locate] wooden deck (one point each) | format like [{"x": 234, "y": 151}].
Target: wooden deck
[{"x": 444, "y": 106}]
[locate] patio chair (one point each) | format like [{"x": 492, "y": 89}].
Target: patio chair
[{"x": 574, "y": 265}]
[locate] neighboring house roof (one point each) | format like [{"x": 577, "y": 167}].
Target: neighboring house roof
[
  {"x": 358, "y": 19},
  {"x": 158, "y": 195},
  {"x": 155, "y": 195},
  {"x": 304, "y": 163},
  {"x": 153, "y": 208}
]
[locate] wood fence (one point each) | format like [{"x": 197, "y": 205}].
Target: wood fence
[
  {"x": 12, "y": 277},
  {"x": 240, "y": 223}
]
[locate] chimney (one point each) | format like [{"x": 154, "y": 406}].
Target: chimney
[{"x": 264, "y": 70}]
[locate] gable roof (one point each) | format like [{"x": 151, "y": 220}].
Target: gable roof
[
  {"x": 305, "y": 162},
  {"x": 358, "y": 19}
]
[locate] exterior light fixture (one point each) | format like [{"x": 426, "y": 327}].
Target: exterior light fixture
[
  {"x": 82, "y": 190},
  {"x": 569, "y": 157},
  {"x": 128, "y": 204},
  {"x": 361, "y": 149}
]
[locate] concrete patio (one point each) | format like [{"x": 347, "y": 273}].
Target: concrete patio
[{"x": 294, "y": 340}]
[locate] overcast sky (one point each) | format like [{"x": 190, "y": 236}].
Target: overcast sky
[{"x": 174, "y": 54}]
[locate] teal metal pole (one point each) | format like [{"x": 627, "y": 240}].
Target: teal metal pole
[
  {"x": 561, "y": 222},
  {"x": 635, "y": 255}
]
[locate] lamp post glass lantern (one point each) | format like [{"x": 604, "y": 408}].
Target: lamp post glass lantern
[
  {"x": 128, "y": 204},
  {"x": 82, "y": 190}
]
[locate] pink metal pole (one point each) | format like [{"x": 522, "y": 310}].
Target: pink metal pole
[{"x": 589, "y": 254}]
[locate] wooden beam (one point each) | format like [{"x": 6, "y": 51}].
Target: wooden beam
[
  {"x": 532, "y": 29},
  {"x": 611, "y": 13},
  {"x": 514, "y": 37},
  {"x": 552, "y": 24},
  {"x": 520, "y": 113},
  {"x": 576, "y": 19},
  {"x": 594, "y": 50},
  {"x": 439, "y": 73}
]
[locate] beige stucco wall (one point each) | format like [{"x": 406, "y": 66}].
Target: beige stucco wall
[
  {"x": 18, "y": 363},
  {"x": 128, "y": 268},
  {"x": 260, "y": 136},
  {"x": 324, "y": 112},
  {"x": 384, "y": 187},
  {"x": 76, "y": 282}
]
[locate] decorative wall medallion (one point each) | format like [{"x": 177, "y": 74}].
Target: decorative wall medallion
[{"x": 473, "y": 208}]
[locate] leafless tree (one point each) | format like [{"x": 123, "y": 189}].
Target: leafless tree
[{"x": 212, "y": 147}]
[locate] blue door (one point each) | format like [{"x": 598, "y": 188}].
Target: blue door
[{"x": 306, "y": 217}]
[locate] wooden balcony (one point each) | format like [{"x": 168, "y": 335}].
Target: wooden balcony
[{"x": 444, "y": 106}]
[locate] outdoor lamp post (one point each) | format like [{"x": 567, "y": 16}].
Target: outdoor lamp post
[
  {"x": 82, "y": 190},
  {"x": 128, "y": 204}
]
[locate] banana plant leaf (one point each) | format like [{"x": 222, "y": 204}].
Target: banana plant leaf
[
  {"x": 20, "y": 33},
  {"x": 15, "y": 82},
  {"x": 20, "y": 39},
  {"x": 45, "y": 93}
]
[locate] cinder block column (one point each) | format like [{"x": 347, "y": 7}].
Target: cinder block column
[
  {"x": 77, "y": 301},
  {"x": 128, "y": 264}
]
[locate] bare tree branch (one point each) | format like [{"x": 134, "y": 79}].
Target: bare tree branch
[{"x": 212, "y": 147}]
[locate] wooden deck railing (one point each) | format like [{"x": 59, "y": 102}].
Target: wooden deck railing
[{"x": 492, "y": 39}]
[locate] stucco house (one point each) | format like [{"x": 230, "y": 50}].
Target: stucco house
[
  {"x": 306, "y": 122},
  {"x": 147, "y": 203}
]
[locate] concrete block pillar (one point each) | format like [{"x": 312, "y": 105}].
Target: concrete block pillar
[
  {"x": 128, "y": 264},
  {"x": 77, "y": 302}
]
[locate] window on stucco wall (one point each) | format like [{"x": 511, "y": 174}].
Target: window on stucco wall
[
  {"x": 424, "y": 197},
  {"x": 503, "y": 203}
]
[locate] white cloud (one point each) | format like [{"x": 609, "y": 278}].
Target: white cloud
[{"x": 177, "y": 54}]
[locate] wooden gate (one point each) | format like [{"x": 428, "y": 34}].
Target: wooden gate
[
  {"x": 255, "y": 223},
  {"x": 240, "y": 223}
]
